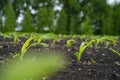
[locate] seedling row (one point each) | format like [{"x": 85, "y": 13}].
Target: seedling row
[{"x": 82, "y": 52}]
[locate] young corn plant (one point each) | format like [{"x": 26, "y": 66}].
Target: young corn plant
[
  {"x": 107, "y": 41},
  {"x": 25, "y": 47},
  {"x": 82, "y": 48},
  {"x": 118, "y": 53},
  {"x": 70, "y": 42},
  {"x": 38, "y": 38},
  {"x": 98, "y": 41},
  {"x": 16, "y": 38},
  {"x": 112, "y": 40},
  {"x": 38, "y": 41},
  {"x": 93, "y": 61},
  {"x": 6, "y": 36}
]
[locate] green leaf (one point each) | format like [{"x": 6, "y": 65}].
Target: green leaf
[
  {"x": 116, "y": 52},
  {"x": 25, "y": 46},
  {"x": 82, "y": 48},
  {"x": 70, "y": 42},
  {"x": 77, "y": 56},
  {"x": 42, "y": 66},
  {"x": 44, "y": 44}
]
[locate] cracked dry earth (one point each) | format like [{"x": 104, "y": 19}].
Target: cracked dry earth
[{"x": 106, "y": 64}]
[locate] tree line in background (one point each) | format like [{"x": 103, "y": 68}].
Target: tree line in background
[{"x": 75, "y": 16}]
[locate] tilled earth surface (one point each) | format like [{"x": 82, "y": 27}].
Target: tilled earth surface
[{"x": 97, "y": 63}]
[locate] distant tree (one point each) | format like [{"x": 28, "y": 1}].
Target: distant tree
[
  {"x": 10, "y": 18},
  {"x": 107, "y": 22},
  {"x": 4, "y": 3},
  {"x": 98, "y": 11},
  {"x": 45, "y": 19},
  {"x": 62, "y": 23},
  {"x": 27, "y": 24},
  {"x": 72, "y": 26},
  {"x": 87, "y": 26},
  {"x": 0, "y": 24},
  {"x": 108, "y": 27},
  {"x": 74, "y": 4},
  {"x": 72, "y": 9},
  {"x": 48, "y": 3},
  {"x": 104, "y": 17},
  {"x": 116, "y": 17},
  {"x": 50, "y": 19},
  {"x": 40, "y": 19},
  {"x": 18, "y": 5}
]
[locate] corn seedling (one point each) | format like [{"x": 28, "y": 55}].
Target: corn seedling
[
  {"x": 38, "y": 38},
  {"x": 112, "y": 40},
  {"x": 44, "y": 44},
  {"x": 70, "y": 42},
  {"x": 118, "y": 53},
  {"x": 93, "y": 61},
  {"x": 98, "y": 41},
  {"x": 82, "y": 48},
  {"x": 16, "y": 38},
  {"x": 6, "y": 36},
  {"x": 106, "y": 40},
  {"x": 25, "y": 47},
  {"x": 49, "y": 36}
]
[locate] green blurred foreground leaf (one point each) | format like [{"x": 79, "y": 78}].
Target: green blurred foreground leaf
[{"x": 36, "y": 69}]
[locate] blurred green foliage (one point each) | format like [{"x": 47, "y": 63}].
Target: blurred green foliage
[
  {"x": 87, "y": 27},
  {"x": 27, "y": 23},
  {"x": 10, "y": 19},
  {"x": 45, "y": 19},
  {"x": 74, "y": 17},
  {"x": 62, "y": 23},
  {"x": 36, "y": 68}
]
